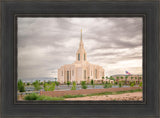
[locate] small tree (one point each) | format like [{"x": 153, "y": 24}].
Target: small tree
[
  {"x": 57, "y": 83},
  {"x": 28, "y": 83},
  {"x": 126, "y": 77},
  {"x": 68, "y": 83},
  {"x": 73, "y": 86},
  {"x": 83, "y": 84},
  {"x": 121, "y": 77},
  {"x": 117, "y": 78},
  {"x": 132, "y": 84},
  {"x": 120, "y": 84},
  {"x": 36, "y": 85},
  {"x": 141, "y": 84},
  {"x": 49, "y": 87},
  {"x": 21, "y": 86},
  {"x": 92, "y": 83}
]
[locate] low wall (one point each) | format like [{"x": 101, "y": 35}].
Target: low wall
[{"x": 84, "y": 91}]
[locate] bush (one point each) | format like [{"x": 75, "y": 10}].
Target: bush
[
  {"x": 49, "y": 87},
  {"x": 108, "y": 85},
  {"x": 35, "y": 96},
  {"x": 57, "y": 83},
  {"x": 68, "y": 83},
  {"x": 28, "y": 83},
  {"x": 21, "y": 86},
  {"x": 116, "y": 83},
  {"x": 132, "y": 84},
  {"x": 73, "y": 86},
  {"x": 32, "y": 96},
  {"x": 140, "y": 85},
  {"x": 36, "y": 85},
  {"x": 120, "y": 84},
  {"x": 92, "y": 83},
  {"x": 83, "y": 84}
]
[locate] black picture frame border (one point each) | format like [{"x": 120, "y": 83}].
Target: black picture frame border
[{"x": 150, "y": 109}]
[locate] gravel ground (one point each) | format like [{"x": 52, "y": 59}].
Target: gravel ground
[{"x": 137, "y": 96}]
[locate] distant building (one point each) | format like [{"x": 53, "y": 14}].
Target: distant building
[
  {"x": 81, "y": 69},
  {"x": 128, "y": 78}
]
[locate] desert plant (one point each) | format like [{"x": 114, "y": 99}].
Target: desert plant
[
  {"x": 57, "y": 83},
  {"x": 141, "y": 84},
  {"x": 108, "y": 85},
  {"x": 28, "y": 83},
  {"x": 21, "y": 86},
  {"x": 92, "y": 83},
  {"x": 120, "y": 84},
  {"x": 68, "y": 83},
  {"x": 36, "y": 85},
  {"x": 73, "y": 86},
  {"x": 49, "y": 87},
  {"x": 126, "y": 77},
  {"x": 83, "y": 84},
  {"x": 132, "y": 84}
]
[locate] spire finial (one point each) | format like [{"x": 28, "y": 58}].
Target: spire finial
[{"x": 81, "y": 33}]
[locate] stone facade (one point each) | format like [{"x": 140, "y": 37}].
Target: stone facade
[{"x": 81, "y": 69}]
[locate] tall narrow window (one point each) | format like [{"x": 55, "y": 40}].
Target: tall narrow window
[
  {"x": 67, "y": 76},
  {"x": 85, "y": 74},
  {"x": 72, "y": 72},
  {"x": 84, "y": 57},
  {"x": 62, "y": 73},
  {"x": 78, "y": 57},
  {"x": 96, "y": 73}
]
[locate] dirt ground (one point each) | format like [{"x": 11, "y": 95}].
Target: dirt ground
[
  {"x": 84, "y": 91},
  {"x": 137, "y": 96}
]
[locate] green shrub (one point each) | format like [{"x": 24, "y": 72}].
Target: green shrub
[
  {"x": 28, "y": 83},
  {"x": 120, "y": 84},
  {"x": 140, "y": 85},
  {"x": 57, "y": 83},
  {"x": 116, "y": 83},
  {"x": 36, "y": 85},
  {"x": 83, "y": 84},
  {"x": 49, "y": 87},
  {"x": 68, "y": 83},
  {"x": 32, "y": 96},
  {"x": 21, "y": 86},
  {"x": 108, "y": 85},
  {"x": 73, "y": 86},
  {"x": 132, "y": 84},
  {"x": 35, "y": 96}
]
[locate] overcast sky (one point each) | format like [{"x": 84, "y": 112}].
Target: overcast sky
[{"x": 45, "y": 44}]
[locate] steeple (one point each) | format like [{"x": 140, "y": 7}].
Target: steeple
[
  {"x": 81, "y": 41},
  {"x": 81, "y": 55}
]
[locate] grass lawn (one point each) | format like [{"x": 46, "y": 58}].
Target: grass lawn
[{"x": 35, "y": 96}]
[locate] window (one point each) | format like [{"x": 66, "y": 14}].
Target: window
[
  {"x": 91, "y": 72},
  {"x": 67, "y": 76},
  {"x": 78, "y": 57},
  {"x": 84, "y": 57},
  {"x": 96, "y": 73},
  {"x": 72, "y": 72},
  {"x": 84, "y": 74},
  {"x": 62, "y": 73}
]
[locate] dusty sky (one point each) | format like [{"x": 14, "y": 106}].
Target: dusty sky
[{"x": 45, "y": 44}]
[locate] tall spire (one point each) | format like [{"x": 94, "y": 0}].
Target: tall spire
[{"x": 81, "y": 41}]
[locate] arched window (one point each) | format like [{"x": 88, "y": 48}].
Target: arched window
[{"x": 78, "y": 56}]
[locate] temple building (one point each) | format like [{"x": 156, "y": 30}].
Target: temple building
[{"x": 81, "y": 69}]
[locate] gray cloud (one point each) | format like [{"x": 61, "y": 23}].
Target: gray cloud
[{"x": 45, "y": 44}]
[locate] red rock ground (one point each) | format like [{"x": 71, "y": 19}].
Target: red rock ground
[{"x": 84, "y": 91}]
